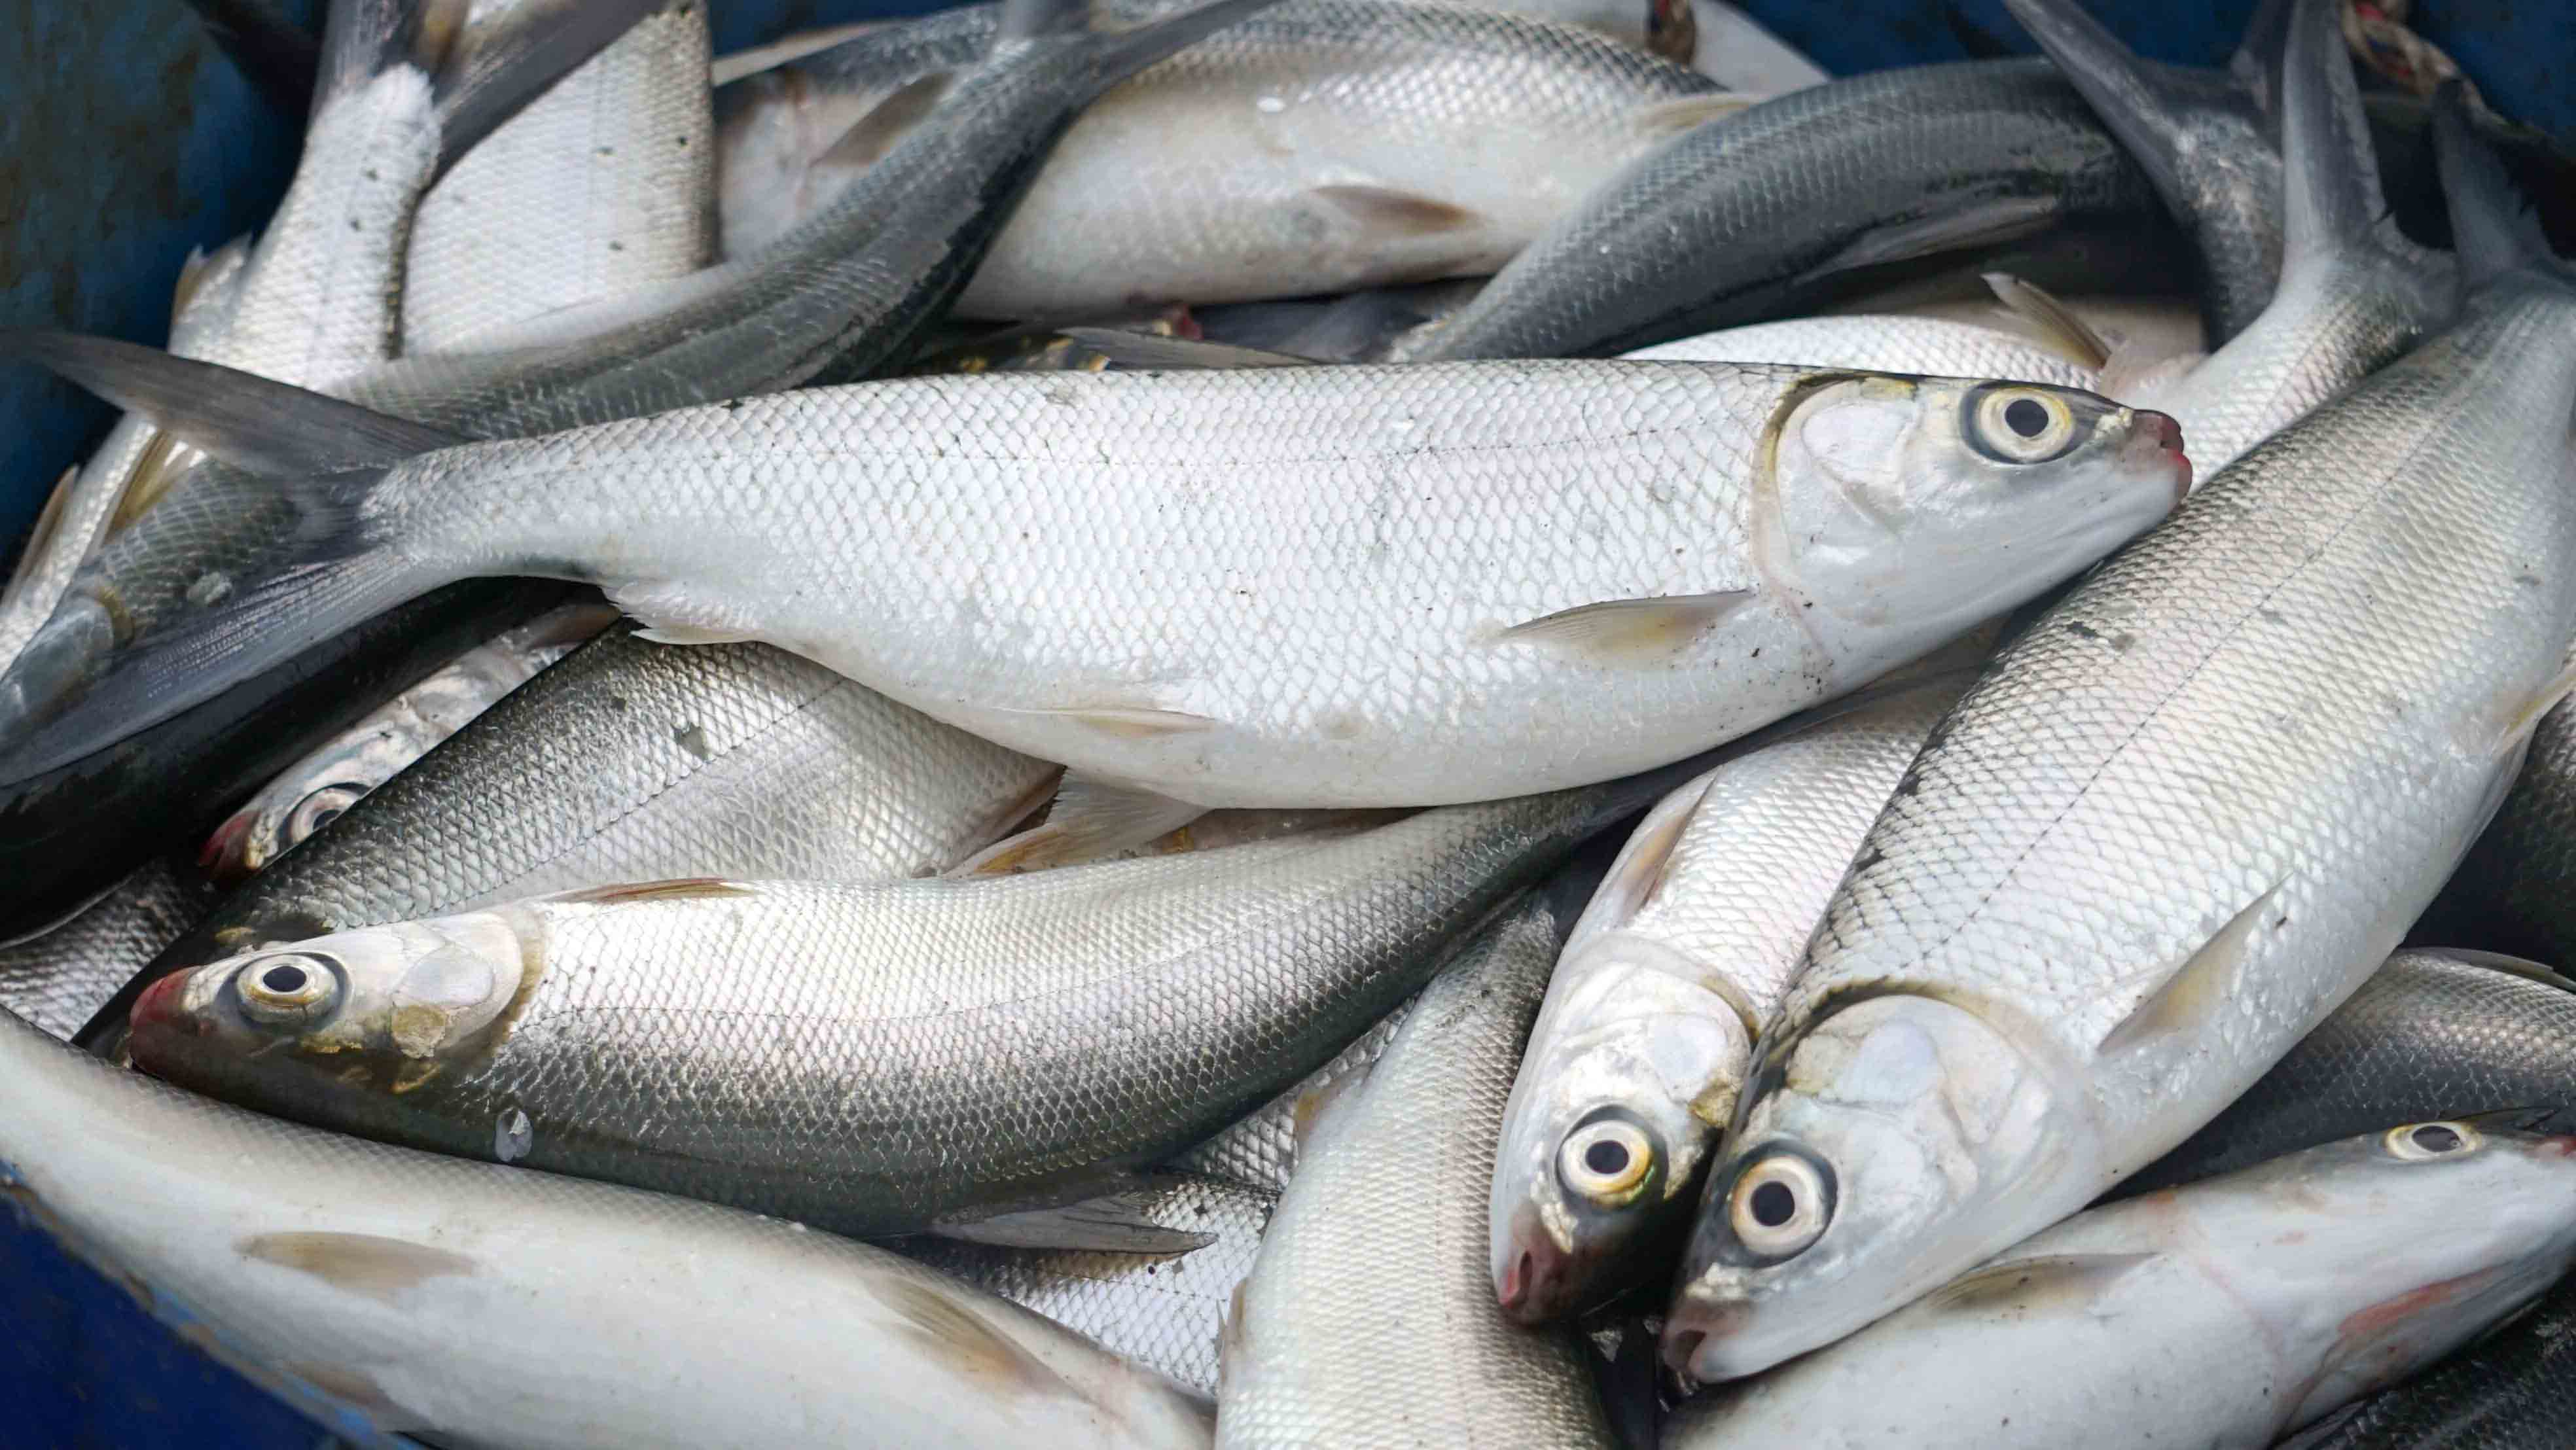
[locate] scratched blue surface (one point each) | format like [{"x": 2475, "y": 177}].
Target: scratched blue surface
[{"x": 125, "y": 140}]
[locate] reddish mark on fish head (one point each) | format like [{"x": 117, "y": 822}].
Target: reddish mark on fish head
[
  {"x": 2366, "y": 1328},
  {"x": 224, "y": 856},
  {"x": 157, "y": 1014},
  {"x": 2561, "y": 1144}
]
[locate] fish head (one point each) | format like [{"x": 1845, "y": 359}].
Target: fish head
[
  {"x": 1912, "y": 508},
  {"x": 377, "y": 1010},
  {"x": 1892, "y": 1146},
  {"x": 308, "y": 796},
  {"x": 1618, "y": 1108}
]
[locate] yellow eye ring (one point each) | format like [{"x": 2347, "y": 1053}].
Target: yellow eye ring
[
  {"x": 2424, "y": 1142},
  {"x": 287, "y": 989},
  {"x": 1606, "y": 1161},
  {"x": 2023, "y": 425},
  {"x": 1777, "y": 1207}
]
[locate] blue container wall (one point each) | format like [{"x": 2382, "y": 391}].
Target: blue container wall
[{"x": 126, "y": 139}]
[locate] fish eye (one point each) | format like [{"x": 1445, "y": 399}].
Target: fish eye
[
  {"x": 1606, "y": 1161},
  {"x": 1779, "y": 1206},
  {"x": 2423, "y": 1142},
  {"x": 2020, "y": 425},
  {"x": 288, "y": 989},
  {"x": 320, "y": 809}
]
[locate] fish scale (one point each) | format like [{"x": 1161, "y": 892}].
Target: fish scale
[
  {"x": 56, "y": 980},
  {"x": 2287, "y": 708}
]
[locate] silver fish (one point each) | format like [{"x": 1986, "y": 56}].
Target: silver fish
[
  {"x": 2175, "y": 824},
  {"x": 1647, "y": 1034},
  {"x": 604, "y": 184},
  {"x": 1162, "y": 1311},
  {"x": 1684, "y": 596},
  {"x": 55, "y": 980},
  {"x": 1368, "y": 1321},
  {"x": 2225, "y": 1314},
  {"x": 1886, "y": 344},
  {"x": 1260, "y": 1149},
  {"x": 320, "y": 788},
  {"x": 384, "y": 1291},
  {"x": 2353, "y": 293},
  {"x": 1323, "y": 146},
  {"x": 631, "y": 760},
  {"x": 1669, "y": 28},
  {"x": 1072, "y": 1021}
]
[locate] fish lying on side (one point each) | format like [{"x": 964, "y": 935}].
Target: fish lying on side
[
  {"x": 1684, "y": 597},
  {"x": 2353, "y": 293},
  {"x": 55, "y": 980},
  {"x": 2224, "y": 1314},
  {"x": 1323, "y": 146},
  {"x": 1260, "y": 1148},
  {"x": 1647, "y": 1034},
  {"x": 634, "y": 761},
  {"x": 2509, "y": 1391},
  {"x": 320, "y": 788},
  {"x": 2433, "y": 1034},
  {"x": 387, "y": 1292},
  {"x": 1886, "y": 344},
  {"x": 2277, "y": 722},
  {"x": 1669, "y": 28},
  {"x": 1162, "y": 1311},
  {"x": 1078, "y": 1022},
  {"x": 1368, "y": 1319},
  {"x": 2516, "y": 889}
]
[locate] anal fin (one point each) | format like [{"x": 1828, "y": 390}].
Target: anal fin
[{"x": 1092, "y": 818}]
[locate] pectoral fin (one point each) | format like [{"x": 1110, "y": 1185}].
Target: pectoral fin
[
  {"x": 2200, "y": 987},
  {"x": 1092, "y": 818},
  {"x": 1114, "y": 1223},
  {"x": 1628, "y": 631}
]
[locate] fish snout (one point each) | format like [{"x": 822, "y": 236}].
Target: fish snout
[
  {"x": 2158, "y": 443},
  {"x": 160, "y": 1014},
  {"x": 225, "y": 858},
  {"x": 1695, "y": 1335},
  {"x": 1535, "y": 1281}
]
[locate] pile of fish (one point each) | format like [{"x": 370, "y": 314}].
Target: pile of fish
[{"x": 1322, "y": 723}]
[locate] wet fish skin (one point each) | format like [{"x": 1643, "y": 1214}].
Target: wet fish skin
[
  {"x": 2510, "y": 1391},
  {"x": 1879, "y": 343},
  {"x": 2516, "y": 889},
  {"x": 599, "y": 187},
  {"x": 55, "y": 980},
  {"x": 1259, "y": 1150},
  {"x": 1804, "y": 585},
  {"x": 634, "y": 761},
  {"x": 1256, "y": 164},
  {"x": 2432, "y": 1034},
  {"x": 385, "y": 1291},
  {"x": 2316, "y": 673},
  {"x": 1160, "y": 1311},
  {"x": 1647, "y": 1032},
  {"x": 321, "y": 787},
  {"x": 1780, "y": 200},
  {"x": 1384, "y": 1225},
  {"x": 629, "y": 1060},
  {"x": 2222, "y": 1314}
]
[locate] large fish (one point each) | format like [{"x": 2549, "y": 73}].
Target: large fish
[
  {"x": 628, "y": 761},
  {"x": 320, "y": 788},
  {"x": 2175, "y": 824},
  {"x": 2433, "y": 1034},
  {"x": 385, "y": 1292},
  {"x": 2353, "y": 292},
  {"x": 1368, "y": 1321},
  {"x": 1162, "y": 1311},
  {"x": 1647, "y": 1035},
  {"x": 1818, "y": 190},
  {"x": 1872, "y": 343},
  {"x": 1260, "y": 1148},
  {"x": 55, "y": 980},
  {"x": 2516, "y": 890},
  {"x": 1168, "y": 582},
  {"x": 1322, "y": 146},
  {"x": 600, "y": 186},
  {"x": 1073, "y": 1023},
  {"x": 2511, "y": 1391},
  {"x": 2223, "y": 1315}
]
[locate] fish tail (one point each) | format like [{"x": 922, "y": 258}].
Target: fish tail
[
  {"x": 2495, "y": 231},
  {"x": 2330, "y": 196},
  {"x": 484, "y": 74},
  {"x": 1114, "y": 55}
]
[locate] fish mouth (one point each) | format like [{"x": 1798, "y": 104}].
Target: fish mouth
[
  {"x": 158, "y": 1014},
  {"x": 2158, "y": 443},
  {"x": 225, "y": 858},
  {"x": 1533, "y": 1287},
  {"x": 1695, "y": 1339}
]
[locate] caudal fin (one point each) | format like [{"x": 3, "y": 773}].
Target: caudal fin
[
  {"x": 498, "y": 65},
  {"x": 2493, "y": 227},
  {"x": 2330, "y": 194}
]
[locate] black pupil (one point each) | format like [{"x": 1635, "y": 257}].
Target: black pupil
[
  {"x": 325, "y": 816},
  {"x": 283, "y": 979},
  {"x": 1773, "y": 1204},
  {"x": 2436, "y": 1139},
  {"x": 1606, "y": 1158},
  {"x": 2026, "y": 417}
]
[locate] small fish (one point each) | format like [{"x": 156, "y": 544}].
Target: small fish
[
  {"x": 56, "y": 979},
  {"x": 1368, "y": 1320},
  {"x": 2224, "y": 1314},
  {"x": 2176, "y": 823}
]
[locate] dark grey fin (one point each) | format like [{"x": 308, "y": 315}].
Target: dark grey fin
[
  {"x": 2330, "y": 197},
  {"x": 1091, "y": 819},
  {"x": 2133, "y": 96},
  {"x": 2064, "y": 1282},
  {"x": 1121, "y": 53},
  {"x": 363, "y": 39},
  {"x": 2530, "y": 1118},
  {"x": 1147, "y": 350},
  {"x": 1355, "y": 326},
  {"x": 252, "y": 422},
  {"x": 874, "y": 134},
  {"x": 1992, "y": 225},
  {"x": 279, "y": 58},
  {"x": 1115, "y": 1223},
  {"x": 2499, "y": 962},
  {"x": 497, "y": 67},
  {"x": 2495, "y": 230},
  {"x": 2256, "y": 64}
]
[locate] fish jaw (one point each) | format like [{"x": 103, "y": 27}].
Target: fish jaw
[
  {"x": 1640, "y": 1058},
  {"x": 1917, "y": 1133}
]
